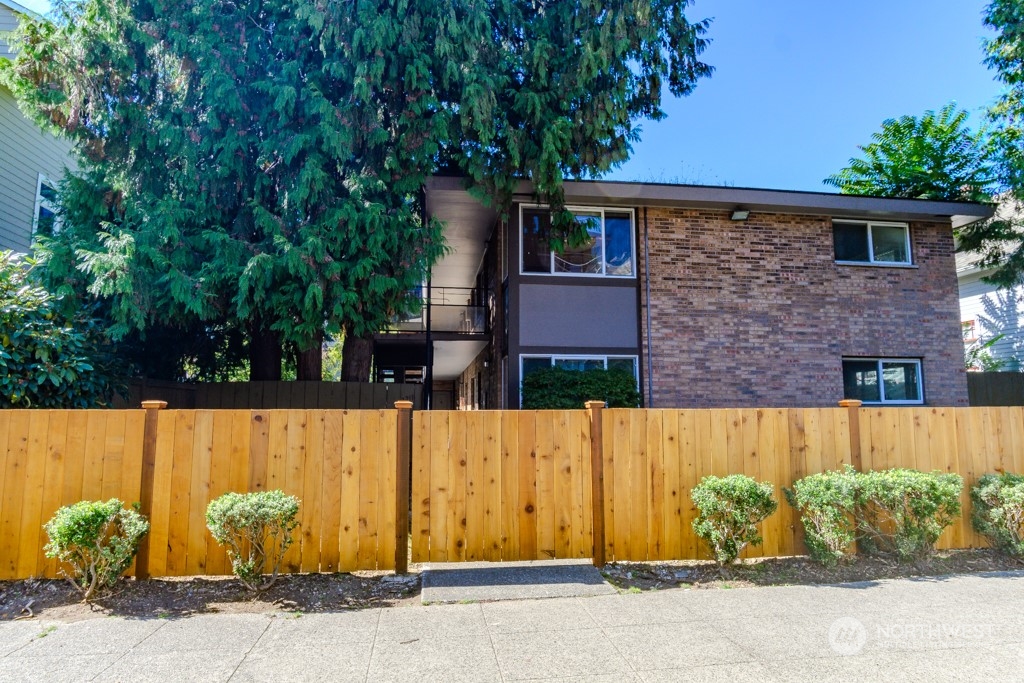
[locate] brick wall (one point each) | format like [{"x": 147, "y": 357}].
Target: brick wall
[{"x": 757, "y": 312}]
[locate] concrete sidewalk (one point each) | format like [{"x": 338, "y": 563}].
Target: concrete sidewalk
[{"x": 958, "y": 628}]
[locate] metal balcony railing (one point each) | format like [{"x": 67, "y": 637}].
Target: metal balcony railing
[{"x": 452, "y": 309}]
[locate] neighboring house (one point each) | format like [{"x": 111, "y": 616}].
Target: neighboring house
[
  {"x": 31, "y": 161},
  {"x": 713, "y": 296},
  {"x": 986, "y": 311}
]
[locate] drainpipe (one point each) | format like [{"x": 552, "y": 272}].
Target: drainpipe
[
  {"x": 428, "y": 380},
  {"x": 650, "y": 349}
]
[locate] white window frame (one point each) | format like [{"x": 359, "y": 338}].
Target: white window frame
[
  {"x": 41, "y": 202},
  {"x": 871, "y": 244},
  {"x": 604, "y": 242},
  {"x": 881, "y": 382}
]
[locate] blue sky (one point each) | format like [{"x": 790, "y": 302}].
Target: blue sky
[{"x": 799, "y": 84}]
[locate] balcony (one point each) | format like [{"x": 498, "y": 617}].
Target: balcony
[{"x": 455, "y": 310}]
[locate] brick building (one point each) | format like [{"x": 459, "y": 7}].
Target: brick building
[{"x": 712, "y": 296}]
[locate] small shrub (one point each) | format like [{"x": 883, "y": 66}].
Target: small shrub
[
  {"x": 997, "y": 512},
  {"x": 562, "y": 389},
  {"x": 256, "y": 529},
  {"x": 826, "y": 502},
  {"x": 902, "y": 512},
  {"x": 98, "y": 540},
  {"x": 729, "y": 509}
]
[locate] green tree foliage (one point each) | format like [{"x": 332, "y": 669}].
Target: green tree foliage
[
  {"x": 257, "y": 165},
  {"x": 1000, "y": 241},
  {"x": 562, "y": 389},
  {"x": 935, "y": 156},
  {"x": 49, "y": 357}
]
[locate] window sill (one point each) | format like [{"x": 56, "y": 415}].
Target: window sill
[{"x": 868, "y": 264}]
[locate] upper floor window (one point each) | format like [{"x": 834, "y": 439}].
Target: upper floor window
[
  {"x": 871, "y": 242},
  {"x": 45, "y": 221},
  {"x": 607, "y": 251},
  {"x": 883, "y": 380}
]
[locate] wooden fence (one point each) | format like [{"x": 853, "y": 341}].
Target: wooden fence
[
  {"x": 995, "y": 388},
  {"x": 341, "y": 464},
  {"x": 273, "y": 395},
  {"x": 485, "y": 485},
  {"x": 501, "y": 485},
  {"x": 515, "y": 485}
]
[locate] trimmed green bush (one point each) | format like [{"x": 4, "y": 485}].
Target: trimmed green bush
[
  {"x": 826, "y": 503},
  {"x": 97, "y": 540},
  {"x": 902, "y": 512},
  {"x": 729, "y": 510},
  {"x": 256, "y": 529},
  {"x": 561, "y": 389},
  {"x": 997, "y": 511}
]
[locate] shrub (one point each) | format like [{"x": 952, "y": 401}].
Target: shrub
[
  {"x": 562, "y": 389},
  {"x": 903, "y": 512},
  {"x": 49, "y": 358},
  {"x": 257, "y": 529},
  {"x": 98, "y": 540},
  {"x": 826, "y": 502},
  {"x": 729, "y": 509},
  {"x": 998, "y": 511}
]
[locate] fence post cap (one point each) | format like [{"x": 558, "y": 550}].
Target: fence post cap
[
  {"x": 850, "y": 403},
  {"x": 594, "y": 404},
  {"x": 154, "y": 405},
  {"x": 403, "y": 405}
]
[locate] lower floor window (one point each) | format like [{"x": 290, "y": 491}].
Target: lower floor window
[
  {"x": 883, "y": 380},
  {"x": 627, "y": 363}
]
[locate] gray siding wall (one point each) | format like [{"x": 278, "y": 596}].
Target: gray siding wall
[
  {"x": 25, "y": 152},
  {"x": 8, "y": 22},
  {"x": 575, "y": 316}
]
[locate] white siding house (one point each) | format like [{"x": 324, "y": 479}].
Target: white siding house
[
  {"x": 31, "y": 161},
  {"x": 990, "y": 311}
]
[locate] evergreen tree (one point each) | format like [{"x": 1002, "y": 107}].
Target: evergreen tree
[{"x": 257, "y": 165}]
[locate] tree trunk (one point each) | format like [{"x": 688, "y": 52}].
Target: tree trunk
[
  {"x": 264, "y": 356},
  {"x": 356, "y": 356},
  {"x": 309, "y": 364}
]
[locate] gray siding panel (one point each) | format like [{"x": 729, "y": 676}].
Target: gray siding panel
[
  {"x": 8, "y": 22},
  {"x": 573, "y": 316},
  {"x": 25, "y": 152}
]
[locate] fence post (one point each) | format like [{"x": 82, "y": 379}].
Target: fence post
[
  {"x": 152, "y": 409},
  {"x": 853, "y": 405},
  {"x": 597, "y": 478},
  {"x": 403, "y": 495}
]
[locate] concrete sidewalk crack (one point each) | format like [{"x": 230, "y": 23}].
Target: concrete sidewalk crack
[
  {"x": 251, "y": 648},
  {"x": 373, "y": 645},
  {"x": 127, "y": 652}
]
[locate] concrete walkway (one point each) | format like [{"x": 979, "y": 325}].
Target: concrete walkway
[
  {"x": 959, "y": 628},
  {"x": 489, "y": 581}
]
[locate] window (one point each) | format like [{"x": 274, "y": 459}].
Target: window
[
  {"x": 883, "y": 380},
  {"x": 45, "y": 221},
  {"x": 607, "y": 251},
  {"x": 870, "y": 242}
]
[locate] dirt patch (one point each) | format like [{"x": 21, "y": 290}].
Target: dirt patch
[
  {"x": 783, "y": 571},
  {"x": 53, "y": 599}
]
